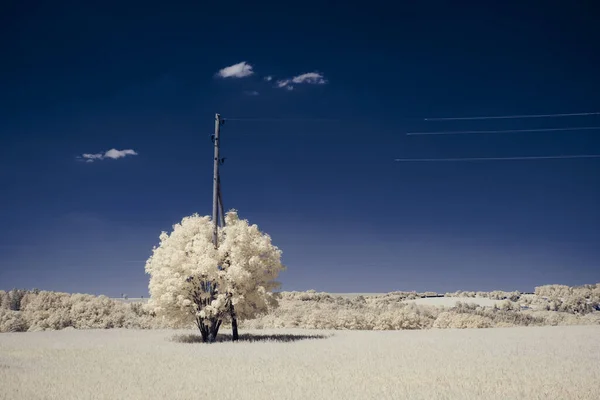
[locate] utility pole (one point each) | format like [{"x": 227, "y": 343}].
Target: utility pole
[
  {"x": 221, "y": 210},
  {"x": 210, "y": 287},
  {"x": 218, "y": 209},
  {"x": 215, "y": 212}
]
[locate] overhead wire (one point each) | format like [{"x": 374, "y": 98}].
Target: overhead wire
[
  {"x": 280, "y": 119},
  {"x": 497, "y": 158},
  {"x": 465, "y": 159},
  {"x": 580, "y": 114},
  {"x": 574, "y": 128}
]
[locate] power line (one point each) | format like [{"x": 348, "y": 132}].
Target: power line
[
  {"x": 513, "y": 116},
  {"x": 281, "y": 119},
  {"x": 497, "y": 158},
  {"x": 424, "y": 119},
  {"x": 581, "y": 128}
]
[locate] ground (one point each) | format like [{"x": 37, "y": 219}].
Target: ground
[{"x": 502, "y": 363}]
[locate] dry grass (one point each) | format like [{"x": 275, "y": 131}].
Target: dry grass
[
  {"x": 246, "y": 337},
  {"x": 510, "y": 363}
]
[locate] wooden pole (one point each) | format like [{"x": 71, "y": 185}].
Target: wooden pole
[
  {"x": 215, "y": 211},
  {"x": 221, "y": 210},
  {"x": 215, "y": 214}
]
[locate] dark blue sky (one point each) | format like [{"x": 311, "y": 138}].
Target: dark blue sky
[{"x": 80, "y": 78}]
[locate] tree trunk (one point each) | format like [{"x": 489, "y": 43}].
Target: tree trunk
[
  {"x": 213, "y": 330},
  {"x": 234, "y": 327},
  {"x": 203, "y": 331}
]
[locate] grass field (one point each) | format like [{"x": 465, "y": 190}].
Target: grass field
[{"x": 503, "y": 363}]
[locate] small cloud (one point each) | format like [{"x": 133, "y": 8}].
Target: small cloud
[
  {"x": 92, "y": 157},
  {"x": 268, "y": 78},
  {"x": 251, "y": 93},
  {"x": 314, "y": 78},
  {"x": 112, "y": 153},
  {"x": 239, "y": 70},
  {"x": 283, "y": 83}
]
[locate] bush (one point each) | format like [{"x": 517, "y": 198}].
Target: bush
[
  {"x": 52, "y": 310},
  {"x": 461, "y": 321},
  {"x": 12, "y": 321},
  {"x": 508, "y": 305},
  {"x": 577, "y": 300},
  {"x": 587, "y": 292},
  {"x": 553, "y": 291}
]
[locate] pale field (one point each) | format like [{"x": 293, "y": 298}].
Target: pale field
[{"x": 503, "y": 363}]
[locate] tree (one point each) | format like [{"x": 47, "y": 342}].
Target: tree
[
  {"x": 192, "y": 281},
  {"x": 16, "y": 295},
  {"x": 4, "y": 300}
]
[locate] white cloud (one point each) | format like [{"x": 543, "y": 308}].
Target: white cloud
[
  {"x": 92, "y": 157},
  {"x": 314, "y": 78},
  {"x": 239, "y": 70},
  {"x": 112, "y": 153},
  {"x": 268, "y": 78},
  {"x": 251, "y": 93}
]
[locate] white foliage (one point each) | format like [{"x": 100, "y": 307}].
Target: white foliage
[
  {"x": 11, "y": 321},
  {"x": 4, "y": 300},
  {"x": 507, "y": 305},
  {"x": 186, "y": 284},
  {"x": 310, "y": 309},
  {"x": 461, "y": 321}
]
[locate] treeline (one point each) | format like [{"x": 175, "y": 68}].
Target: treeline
[
  {"x": 391, "y": 311},
  {"x": 33, "y": 310}
]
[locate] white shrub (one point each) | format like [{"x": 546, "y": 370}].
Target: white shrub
[
  {"x": 553, "y": 291},
  {"x": 11, "y": 321},
  {"x": 461, "y": 321},
  {"x": 508, "y": 305},
  {"x": 502, "y": 295},
  {"x": 53, "y": 310}
]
